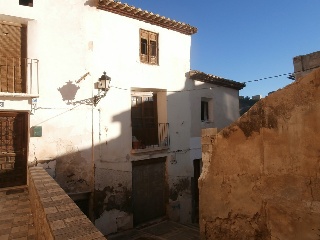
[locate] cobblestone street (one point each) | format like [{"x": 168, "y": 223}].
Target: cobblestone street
[{"x": 16, "y": 221}]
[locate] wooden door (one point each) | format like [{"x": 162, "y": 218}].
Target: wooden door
[
  {"x": 149, "y": 188},
  {"x": 13, "y": 149}
]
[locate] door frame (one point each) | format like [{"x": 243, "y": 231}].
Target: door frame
[
  {"x": 25, "y": 143},
  {"x": 165, "y": 186}
]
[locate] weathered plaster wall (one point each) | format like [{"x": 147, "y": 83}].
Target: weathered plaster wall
[
  {"x": 75, "y": 43},
  {"x": 260, "y": 177},
  {"x": 304, "y": 64},
  {"x": 15, "y": 12},
  {"x": 223, "y": 106}
]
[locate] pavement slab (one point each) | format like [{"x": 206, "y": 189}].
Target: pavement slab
[
  {"x": 165, "y": 230},
  {"x": 16, "y": 220}
]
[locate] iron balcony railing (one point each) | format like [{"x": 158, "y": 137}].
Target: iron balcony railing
[
  {"x": 19, "y": 75},
  {"x": 163, "y": 135},
  {"x": 150, "y": 136}
]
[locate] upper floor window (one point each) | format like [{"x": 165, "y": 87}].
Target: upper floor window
[
  {"x": 26, "y": 3},
  {"x": 206, "y": 110},
  {"x": 149, "y": 47}
]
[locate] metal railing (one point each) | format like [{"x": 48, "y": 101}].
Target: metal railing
[
  {"x": 19, "y": 75},
  {"x": 163, "y": 135}
]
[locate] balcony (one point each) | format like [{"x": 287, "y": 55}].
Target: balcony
[
  {"x": 19, "y": 76},
  {"x": 152, "y": 137}
]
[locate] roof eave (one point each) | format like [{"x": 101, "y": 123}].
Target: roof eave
[
  {"x": 137, "y": 13},
  {"x": 208, "y": 78}
]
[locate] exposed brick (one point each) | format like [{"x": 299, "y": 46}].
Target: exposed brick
[
  {"x": 50, "y": 210},
  {"x": 56, "y": 216},
  {"x": 57, "y": 224},
  {"x": 4, "y": 236},
  {"x": 5, "y": 226}
]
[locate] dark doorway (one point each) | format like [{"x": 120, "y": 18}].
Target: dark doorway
[
  {"x": 195, "y": 188},
  {"x": 82, "y": 200},
  {"x": 83, "y": 204},
  {"x": 148, "y": 190},
  {"x": 13, "y": 149}
]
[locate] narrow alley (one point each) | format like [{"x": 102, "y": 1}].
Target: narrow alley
[{"x": 166, "y": 230}]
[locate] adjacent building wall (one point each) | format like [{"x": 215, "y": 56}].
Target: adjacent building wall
[
  {"x": 260, "y": 175},
  {"x": 304, "y": 64}
]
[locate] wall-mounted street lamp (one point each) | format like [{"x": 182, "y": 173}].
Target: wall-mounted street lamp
[{"x": 103, "y": 86}]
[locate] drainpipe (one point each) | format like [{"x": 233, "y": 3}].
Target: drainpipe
[{"x": 91, "y": 202}]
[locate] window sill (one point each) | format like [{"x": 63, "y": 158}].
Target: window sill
[
  {"x": 206, "y": 121},
  {"x": 149, "y": 149},
  {"x": 150, "y": 64},
  {"x": 18, "y": 95},
  {"x": 207, "y": 124}
]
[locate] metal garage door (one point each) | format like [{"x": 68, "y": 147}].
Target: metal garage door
[
  {"x": 13, "y": 146},
  {"x": 149, "y": 190}
]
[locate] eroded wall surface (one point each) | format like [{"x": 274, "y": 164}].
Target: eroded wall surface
[
  {"x": 260, "y": 176},
  {"x": 304, "y": 64}
]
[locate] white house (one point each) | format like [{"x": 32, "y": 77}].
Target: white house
[{"x": 132, "y": 147}]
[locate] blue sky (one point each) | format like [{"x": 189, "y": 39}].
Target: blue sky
[{"x": 245, "y": 40}]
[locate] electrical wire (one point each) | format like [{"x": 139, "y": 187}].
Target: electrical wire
[{"x": 289, "y": 75}]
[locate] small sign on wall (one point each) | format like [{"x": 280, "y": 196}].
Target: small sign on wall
[
  {"x": 1, "y": 104},
  {"x": 36, "y": 131}
]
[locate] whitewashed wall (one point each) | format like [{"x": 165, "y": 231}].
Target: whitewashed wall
[
  {"x": 70, "y": 39},
  {"x": 75, "y": 43}
]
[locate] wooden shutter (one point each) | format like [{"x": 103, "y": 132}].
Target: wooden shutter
[
  {"x": 144, "y": 119},
  {"x": 153, "y": 48},
  {"x": 149, "y": 48},
  {"x": 144, "y": 46},
  {"x": 10, "y": 39},
  {"x": 11, "y": 51}
]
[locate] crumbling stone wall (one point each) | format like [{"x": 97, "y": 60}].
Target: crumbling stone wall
[
  {"x": 304, "y": 64},
  {"x": 260, "y": 177}
]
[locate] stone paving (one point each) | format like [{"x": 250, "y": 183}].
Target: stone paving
[
  {"x": 166, "y": 230},
  {"x": 16, "y": 220}
]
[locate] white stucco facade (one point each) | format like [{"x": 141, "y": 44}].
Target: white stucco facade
[{"x": 88, "y": 147}]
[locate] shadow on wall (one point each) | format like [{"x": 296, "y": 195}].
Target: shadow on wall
[
  {"x": 91, "y": 3},
  {"x": 112, "y": 190}
]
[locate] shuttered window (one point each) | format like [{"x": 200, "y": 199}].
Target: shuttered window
[
  {"x": 13, "y": 39},
  {"x": 149, "y": 49},
  {"x": 144, "y": 119},
  {"x": 26, "y": 3}
]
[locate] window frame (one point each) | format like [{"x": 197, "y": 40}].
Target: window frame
[
  {"x": 149, "y": 54},
  {"x": 206, "y": 109},
  {"x": 28, "y": 3}
]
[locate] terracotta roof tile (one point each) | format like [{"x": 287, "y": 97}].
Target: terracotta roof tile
[
  {"x": 208, "y": 78},
  {"x": 149, "y": 17}
]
